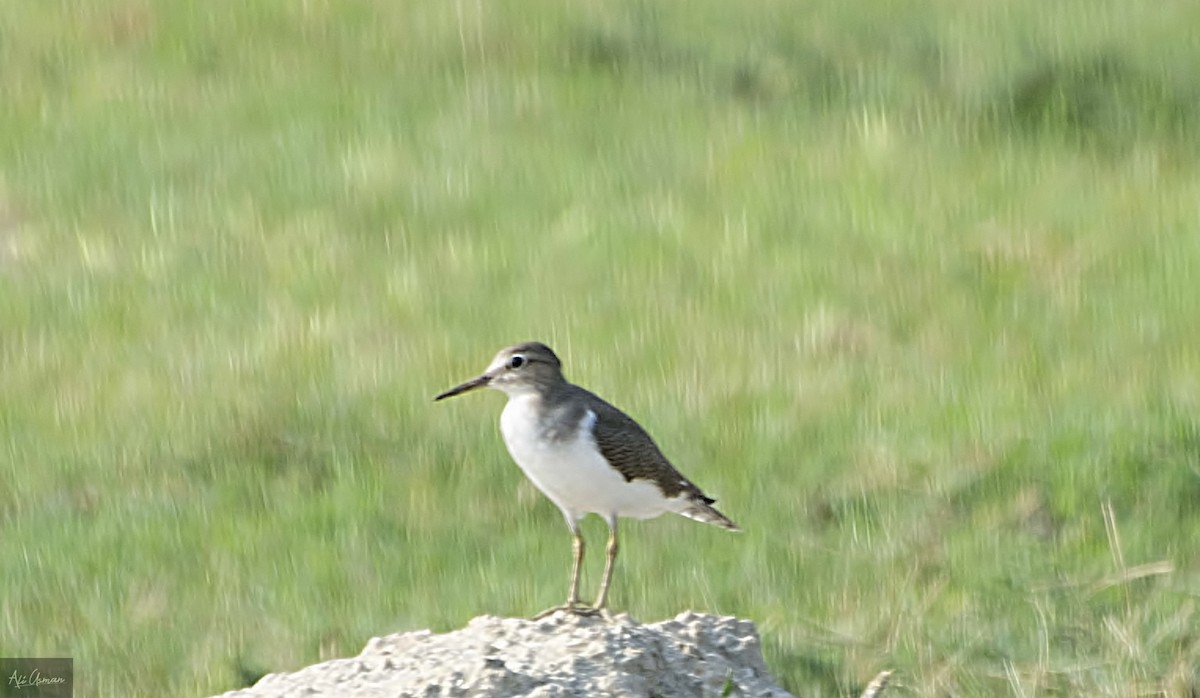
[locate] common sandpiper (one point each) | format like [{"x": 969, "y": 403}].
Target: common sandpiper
[{"x": 584, "y": 454}]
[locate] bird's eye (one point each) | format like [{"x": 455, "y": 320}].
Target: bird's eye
[{"x": 516, "y": 362}]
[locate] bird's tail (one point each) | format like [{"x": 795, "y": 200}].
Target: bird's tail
[{"x": 701, "y": 509}]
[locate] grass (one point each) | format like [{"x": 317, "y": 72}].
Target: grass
[{"x": 909, "y": 286}]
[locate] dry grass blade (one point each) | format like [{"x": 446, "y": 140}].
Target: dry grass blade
[
  {"x": 877, "y": 685},
  {"x": 1129, "y": 574}
]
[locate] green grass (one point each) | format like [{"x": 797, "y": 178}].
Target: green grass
[{"x": 910, "y": 286}]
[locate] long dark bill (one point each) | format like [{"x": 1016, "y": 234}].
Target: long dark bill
[{"x": 469, "y": 385}]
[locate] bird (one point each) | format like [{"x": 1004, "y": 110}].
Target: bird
[{"x": 585, "y": 455}]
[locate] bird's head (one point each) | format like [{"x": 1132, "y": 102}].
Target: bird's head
[{"x": 518, "y": 369}]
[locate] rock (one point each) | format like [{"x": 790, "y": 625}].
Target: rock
[{"x": 556, "y": 657}]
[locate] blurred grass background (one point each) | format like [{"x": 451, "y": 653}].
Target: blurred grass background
[{"x": 910, "y": 286}]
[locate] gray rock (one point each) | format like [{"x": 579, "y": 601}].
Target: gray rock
[{"x": 559, "y": 656}]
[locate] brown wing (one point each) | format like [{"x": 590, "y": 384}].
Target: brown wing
[{"x": 630, "y": 450}]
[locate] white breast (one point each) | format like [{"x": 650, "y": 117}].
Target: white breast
[{"x": 572, "y": 472}]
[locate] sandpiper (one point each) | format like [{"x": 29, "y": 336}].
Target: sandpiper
[{"x": 584, "y": 454}]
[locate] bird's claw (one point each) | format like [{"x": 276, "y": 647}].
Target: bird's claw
[{"x": 575, "y": 609}]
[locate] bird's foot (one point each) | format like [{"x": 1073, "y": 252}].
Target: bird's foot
[{"x": 575, "y": 609}]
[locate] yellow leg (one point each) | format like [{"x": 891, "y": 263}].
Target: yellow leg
[
  {"x": 611, "y": 557},
  {"x": 577, "y": 550},
  {"x": 572, "y": 605}
]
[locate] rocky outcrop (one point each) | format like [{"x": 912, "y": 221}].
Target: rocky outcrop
[{"x": 558, "y": 656}]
